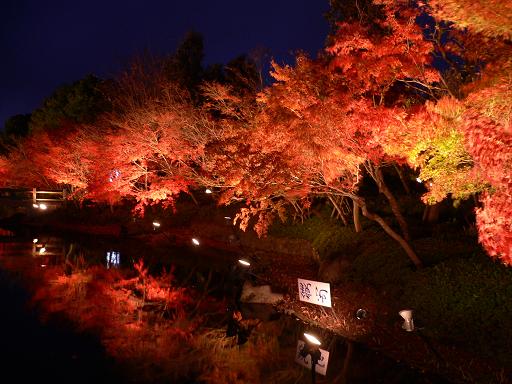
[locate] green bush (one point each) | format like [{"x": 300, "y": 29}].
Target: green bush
[
  {"x": 381, "y": 262},
  {"x": 328, "y": 237},
  {"x": 465, "y": 301}
]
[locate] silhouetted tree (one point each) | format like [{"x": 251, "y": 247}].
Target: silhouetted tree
[
  {"x": 184, "y": 67},
  {"x": 81, "y": 102}
]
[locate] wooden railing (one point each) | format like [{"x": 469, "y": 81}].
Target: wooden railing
[
  {"x": 59, "y": 195},
  {"x": 34, "y": 195}
]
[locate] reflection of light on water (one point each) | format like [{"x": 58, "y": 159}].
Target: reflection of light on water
[{"x": 113, "y": 259}]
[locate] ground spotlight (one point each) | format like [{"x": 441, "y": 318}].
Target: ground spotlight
[
  {"x": 408, "y": 324},
  {"x": 195, "y": 241},
  {"x": 312, "y": 348},
  {"x": 244, "y": 262},
  {"x": 35, "y": 205},
  {"x": 42, "y": 206},
  {"x": 42, "y": 250},
  {"x": 35, "y": 241},
  {"x": 312, "y": 339},
  {"x": 208, "y": 190},
  {"x": 156, "y": 224},
  {"x": 361, "y": 314}
]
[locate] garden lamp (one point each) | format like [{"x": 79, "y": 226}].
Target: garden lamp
[
  {"x": 408, "y": 324},
  {"x": 312, "y": 348}
]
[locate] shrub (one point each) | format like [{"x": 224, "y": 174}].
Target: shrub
[
  {"x": 465, "y": 301},
  {"x": 327, "y": 236}
]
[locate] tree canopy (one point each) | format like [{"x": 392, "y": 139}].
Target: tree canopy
[{"x": 389, "y": 90}]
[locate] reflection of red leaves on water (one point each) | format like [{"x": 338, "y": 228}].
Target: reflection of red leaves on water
[{"x": 142, "y": 320}]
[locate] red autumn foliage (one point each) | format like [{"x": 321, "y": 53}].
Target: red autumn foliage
[{"x": 314, "y": 132}]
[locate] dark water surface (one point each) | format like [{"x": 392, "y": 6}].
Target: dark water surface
[
  {"x": 54, "y": 353},
  {"x": 44, "y": 353}
]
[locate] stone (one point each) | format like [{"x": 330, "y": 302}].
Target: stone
[{"x": 259, "y": 294}]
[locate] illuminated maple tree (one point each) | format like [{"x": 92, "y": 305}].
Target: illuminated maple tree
[
  {"x": 315, "y": 131},
  {"x": 491, "y": 18},
  {"x": 462, "y": 146},
  {"x": 23, "y": 165},
  {"x": 153, "y": 146}
]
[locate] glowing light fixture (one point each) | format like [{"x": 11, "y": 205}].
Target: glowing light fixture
[
  {"x": 113, "y": 259},
  {"x": 35, "y": 205},
  {"x": 42, "y": 206},
  {"x": 419, "y": 180},
  {"x": 227, "y": 217},
  {"x": 312, "y": 348},
  {"x": 35, "y": 241},
  {"x": 195, "y": 241},
  {"x": 208, "y": 190},
  {"x": 244, "y": 262},
  {"x": 156, "y": 224},
  {"x": 43, "y": 265},
  {"x": 361, "y": 314},
  {"x": 312, "y": 339},
  {"x": 408, "y": 324},
  {"x": 42, "y": 250}
]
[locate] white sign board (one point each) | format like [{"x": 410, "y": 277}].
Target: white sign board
[
  {"x": 315, "y": 292},
  {"x": 305, "y": 361}
]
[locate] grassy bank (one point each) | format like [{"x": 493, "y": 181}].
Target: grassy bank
[{"x": 461, "y": 297}]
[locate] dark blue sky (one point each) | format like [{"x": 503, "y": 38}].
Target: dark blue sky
[{"x": 46, "y": 43}]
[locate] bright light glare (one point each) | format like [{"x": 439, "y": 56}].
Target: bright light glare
[
  {"x": 35, "y": 241},
  {"x": 244, "y": 262},
  {"x": 42, "y": 250},
  {"x": 419, "y": 180},
  {"x": 43, "y": 265},
  {"x": 113, "y": 259},
  {"x": 35, "y": 205},
  {"x": 312, "y": 339},
  {"x": 208, "y": 190},
  {"x": 227, "y": 217},
  {"x": 195, "y": 241},
  {"x": 156, "y": 224},
  {"x": 42, "y": 206}
]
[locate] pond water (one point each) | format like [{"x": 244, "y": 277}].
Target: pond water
[{"x": 58, "y": 353}]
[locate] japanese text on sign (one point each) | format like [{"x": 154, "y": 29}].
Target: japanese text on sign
[{"x": 315, "y": 292}]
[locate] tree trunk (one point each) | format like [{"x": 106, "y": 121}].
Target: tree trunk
[
  {"x": 431, "y": 213},
  {"x": 379, "y": 178},
  {"x": 357, "y": 217},
  {"x": 338, "y": 209},
  {"x": 346, "y": 363},
  {"x": 193, "y": 198},
  {"x": 385, "y": 226},
  {"x": 402, "y": 179}
]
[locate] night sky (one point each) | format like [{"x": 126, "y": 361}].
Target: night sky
[{"x": 45, "y": 44}]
